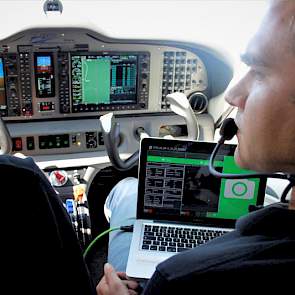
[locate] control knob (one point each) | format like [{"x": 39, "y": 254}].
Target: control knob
[
  {"x": 91, "y": 143},
  {"x": 58, "y": 177}
]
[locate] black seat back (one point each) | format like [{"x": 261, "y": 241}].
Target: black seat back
[{"x": 40, "y": 252}]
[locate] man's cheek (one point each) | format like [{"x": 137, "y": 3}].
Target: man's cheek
[{"x": 238, "y": 157}]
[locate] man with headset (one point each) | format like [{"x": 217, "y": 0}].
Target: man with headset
[{"x": 263, "y": 244}]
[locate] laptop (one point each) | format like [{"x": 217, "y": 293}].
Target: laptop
[{"x": 180, "y": 204}]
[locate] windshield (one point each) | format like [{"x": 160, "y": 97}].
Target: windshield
[{"x": 227, "y": 24}]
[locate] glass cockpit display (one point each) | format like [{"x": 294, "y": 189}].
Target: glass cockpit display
[
  {"x": 44, "y": 75},
  {"x": 98, "y": 80},
  {"x": 2, "y": 85}
]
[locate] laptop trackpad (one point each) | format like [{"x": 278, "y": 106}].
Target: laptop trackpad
[
  {"x": 145, "y": 265},
  {"x": 152, "y": 259},
  {"x": 144, "y": 269}
]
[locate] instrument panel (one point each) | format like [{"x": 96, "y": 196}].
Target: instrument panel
[
  {"x": 56, "y": 82},
  {"x": 60, "y": 74}
]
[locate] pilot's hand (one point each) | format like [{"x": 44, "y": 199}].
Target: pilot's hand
[{"x": 115, "y": 283}]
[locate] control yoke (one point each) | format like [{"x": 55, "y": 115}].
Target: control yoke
[
  {"x": 110, "y": 130},
  {"x": 180, "y": 105},
  {"x": 5, "y": 139}
]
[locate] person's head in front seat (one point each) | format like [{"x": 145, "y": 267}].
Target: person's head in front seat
[{"x": 265, "y": 96}]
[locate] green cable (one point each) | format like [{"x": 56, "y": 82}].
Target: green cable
[{"x": 98, "y": 237}]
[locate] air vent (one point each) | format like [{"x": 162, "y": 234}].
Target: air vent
[
  {"x": 81, "y": 47},
  {"x": 199, "y": 102}
]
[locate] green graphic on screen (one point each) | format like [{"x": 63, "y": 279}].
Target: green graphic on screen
[
  {"x": 235, "y": 194},
  {"x": 183, "y": 161},
  {"x": 96, "y": 81}
]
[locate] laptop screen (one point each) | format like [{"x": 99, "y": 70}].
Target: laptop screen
[{"x": 175, "y": 183}]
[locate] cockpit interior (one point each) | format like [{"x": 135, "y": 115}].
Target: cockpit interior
[{"x": 59, "y": 82}]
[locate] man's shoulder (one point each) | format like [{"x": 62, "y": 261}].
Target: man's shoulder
[
  {"x": 226, "y": 249},
  {"x": 254, "y": 249},
  {"x": 231, "y": 253}
]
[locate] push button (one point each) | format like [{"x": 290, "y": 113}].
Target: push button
[
  {"x": 17, "y": 144},
  {"x": 30, "y": 143}
]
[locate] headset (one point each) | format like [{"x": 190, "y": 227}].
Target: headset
[{"x": 227, "y": 131}]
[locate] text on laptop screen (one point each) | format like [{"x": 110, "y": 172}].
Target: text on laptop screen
[{"x": 177, "y": 182}]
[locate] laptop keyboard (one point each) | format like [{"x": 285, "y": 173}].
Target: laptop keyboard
[{"x": 176, "y": 239}]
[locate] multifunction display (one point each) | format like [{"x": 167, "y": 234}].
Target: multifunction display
[
  {"x": 44, "y": 75},
  {"x": 98, "y": 80}
]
